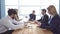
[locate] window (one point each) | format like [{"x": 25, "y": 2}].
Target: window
[
  {"x": 25, "y": 7},
  {"x": 10, "y": 4}
]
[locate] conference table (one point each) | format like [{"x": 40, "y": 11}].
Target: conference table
[{"x": 32, "y": 28}]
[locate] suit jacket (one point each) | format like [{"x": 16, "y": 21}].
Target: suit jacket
[
  {"x": 44, "y": 21},
  {"x": 32, "y": 16},
  {"x": 54, "y": 25}
]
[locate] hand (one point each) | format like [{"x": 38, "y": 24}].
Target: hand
[
  {"x": 39, "y": 24},
  {"x": 36, "y": 22}
]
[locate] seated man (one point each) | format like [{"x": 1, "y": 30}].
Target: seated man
[
  {"x": 6, "y": 24},
  {"x": 32, "y": 16},
  {"x": 44, "y": 19}
]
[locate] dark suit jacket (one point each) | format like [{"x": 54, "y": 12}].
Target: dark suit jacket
[
  {"x": 44, "y": 21},
  {"x": 54, "y": 25},
  {"x": 32, "y": 16}
]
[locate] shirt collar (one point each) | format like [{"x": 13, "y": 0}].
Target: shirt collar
[{"x": 52, "y": 16}]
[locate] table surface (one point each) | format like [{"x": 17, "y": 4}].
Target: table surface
[{"x": 32, "y": 29}]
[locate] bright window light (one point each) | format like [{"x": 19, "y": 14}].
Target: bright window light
[{"x": 26, "y": 7}]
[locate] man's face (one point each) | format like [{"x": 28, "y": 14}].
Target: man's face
[
  {"x": 43, "y": 12},
  {"x": 33, "y": 12},
  {"x": 13, "y": 16}
]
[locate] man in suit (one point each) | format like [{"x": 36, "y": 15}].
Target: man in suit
[
  {"x": 6, "y": 23},
  {"x": 32, "y": 16},
  {"x": 44, "y": 19},
  {"x": 54, "y": 22}
]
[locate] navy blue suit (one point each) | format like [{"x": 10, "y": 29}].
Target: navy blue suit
[
  {"x": 54, "y": 25},
  {"x": 32, "y": 16},
  {"x": 44, "y": 21}
]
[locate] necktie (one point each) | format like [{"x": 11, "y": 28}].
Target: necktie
[{"x": 49, "y": 20}]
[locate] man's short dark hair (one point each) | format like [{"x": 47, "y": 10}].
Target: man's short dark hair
[
  {"x": 44, "y": 10},
  {"x": 11, "y": 11}
]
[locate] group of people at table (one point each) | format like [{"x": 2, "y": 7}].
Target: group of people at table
[{"x": 12, "y": 22}]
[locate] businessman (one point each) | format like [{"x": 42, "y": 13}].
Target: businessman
[
  {"x": 6, "y": 23},
  {"x": 44, "y": 19},
  {"x": 32, "y": 16}
]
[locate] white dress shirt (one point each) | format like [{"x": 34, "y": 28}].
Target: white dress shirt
[
  {"x": 42, "y": 17},
  {"x": 6, "y": 24},
  {"x": 50, "y": 19}
]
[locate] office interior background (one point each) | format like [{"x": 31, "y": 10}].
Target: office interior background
[{"x": 25, "y": 7}]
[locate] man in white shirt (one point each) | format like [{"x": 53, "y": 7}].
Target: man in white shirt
[{"x": 6, "y": 24}]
